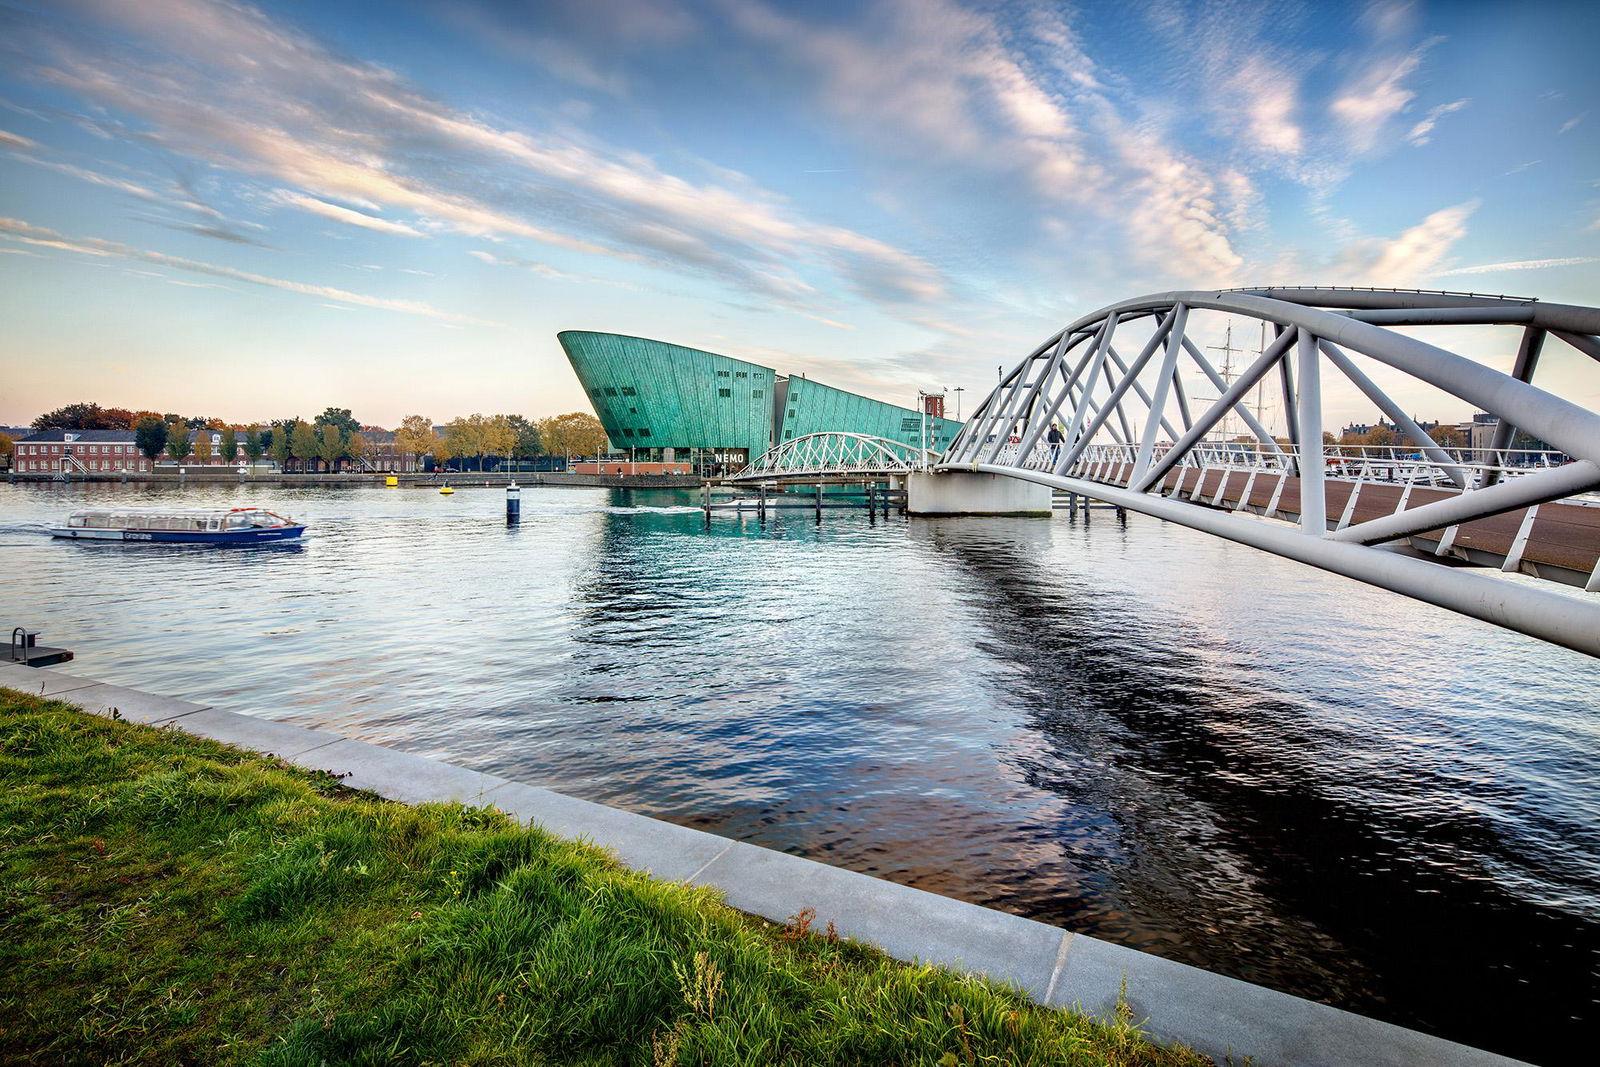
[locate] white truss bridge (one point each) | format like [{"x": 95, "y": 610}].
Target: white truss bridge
[
  {"x": 1078, "y": 415},
  {"x": 852, "y": 457}
]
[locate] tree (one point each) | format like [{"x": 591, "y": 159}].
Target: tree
[
  {"x": 255, "y": 442},
  {"x": 528, "y": 444},
  {"x": 465, "y": 437},
  {"x": 302, "y": 442},
  {"x": 330, "y": 444},
  {"x": 339, "y": 417},
  {"x": 1449, "y": 437},
  {"x": 440, "y": 449},
  {"x": 577, "y": 433},
  {"x": 415, "y": 435},
  {"x": 150, "y": 435},
  {"x": 277, "y": 440},
  {"x": 500, "y": 437},
  {"x": 7, "y": 447},
  {"x": 177, "y": 440},
  {"x": 356, "y": 447},
  {"x": 82, "y": 417},
  {"x": 202, "y": 445},
  {"x": 228, "y": 449}
]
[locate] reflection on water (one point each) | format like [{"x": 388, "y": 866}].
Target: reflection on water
[{"x": 1131, "y": 730}]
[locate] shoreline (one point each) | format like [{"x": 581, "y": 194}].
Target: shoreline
[{"x": 1216, "y": 1015}]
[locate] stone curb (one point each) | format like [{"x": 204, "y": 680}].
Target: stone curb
[{"x": 1219, "y": 1016}]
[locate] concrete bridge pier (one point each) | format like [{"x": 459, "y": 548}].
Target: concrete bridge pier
[{"x": 973, "y": 493}]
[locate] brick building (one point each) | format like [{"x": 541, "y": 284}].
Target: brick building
[{"x": 78, "y": 451}]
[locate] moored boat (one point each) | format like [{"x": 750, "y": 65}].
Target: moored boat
[{"x": 193, "y": 526}]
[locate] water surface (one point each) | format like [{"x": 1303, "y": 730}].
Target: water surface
[{"x": 1135, "y": 731}]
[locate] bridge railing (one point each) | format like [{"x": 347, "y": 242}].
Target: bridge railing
[{"x": 836, "y": 454}]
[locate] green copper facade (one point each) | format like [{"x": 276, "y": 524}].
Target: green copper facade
[
  {"x": 655, "y": 396},
  {"x": 811, "y": 407},
  {"x": 650, "y": 394}
]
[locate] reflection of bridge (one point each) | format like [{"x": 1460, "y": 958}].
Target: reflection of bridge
[{"x": 824, "y": 457}]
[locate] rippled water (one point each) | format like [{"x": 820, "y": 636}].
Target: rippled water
[{"x": 1135, "y": 731}]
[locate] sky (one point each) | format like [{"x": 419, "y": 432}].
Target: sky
[{"x": 252, "y": 211}]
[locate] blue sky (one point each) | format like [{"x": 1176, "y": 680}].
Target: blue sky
[{"x": 254, "y": 211}]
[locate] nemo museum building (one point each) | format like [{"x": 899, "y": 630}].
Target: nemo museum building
[{"x": 665, "y": 403}]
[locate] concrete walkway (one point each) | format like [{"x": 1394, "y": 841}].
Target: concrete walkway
[{"x": 1219, "y": 1016}]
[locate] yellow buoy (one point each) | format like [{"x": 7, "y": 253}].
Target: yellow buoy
[
  {"x": 445, "y": 490},
  {"x": 390, "y": 482}
]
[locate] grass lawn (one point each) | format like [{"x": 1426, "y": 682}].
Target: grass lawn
[{"x": 165, "y": 899}]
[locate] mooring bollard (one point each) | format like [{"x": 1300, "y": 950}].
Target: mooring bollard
[{"x": 513, "y": 504}]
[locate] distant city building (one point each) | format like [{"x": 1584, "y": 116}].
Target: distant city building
[
  {"x": 668, "y": 404},
  {"x": 79, "y": 451}
]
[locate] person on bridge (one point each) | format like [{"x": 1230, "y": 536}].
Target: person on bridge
[{"x": 1055, "y": 437}]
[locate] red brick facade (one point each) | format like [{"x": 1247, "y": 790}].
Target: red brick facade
[{"x": 79, "y": 451}]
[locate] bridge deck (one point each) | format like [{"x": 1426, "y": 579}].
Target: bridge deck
[{"x": 1563, "y": 544}]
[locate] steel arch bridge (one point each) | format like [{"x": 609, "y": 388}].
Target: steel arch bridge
[
  {"x": 847, "y": 456},
  {"x": 1078, "y": 414}
]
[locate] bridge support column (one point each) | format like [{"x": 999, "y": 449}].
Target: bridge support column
[{"x": 971, "y": 493}]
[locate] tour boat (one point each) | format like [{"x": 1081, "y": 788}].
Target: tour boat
[{"x": 192, "y": 526}]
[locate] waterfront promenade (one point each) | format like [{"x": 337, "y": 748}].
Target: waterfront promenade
[{"x": 1220, "y": 1016}]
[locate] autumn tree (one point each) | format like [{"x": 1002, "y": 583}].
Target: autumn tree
[
  {"x": 356, "y": 448},
  {"x": 330, "y": 444},
  {"x": 576, "y": 433},
  {"x": 415, "y": 435},
  {"x": 302, "y": 443},
  {"x": 202, "y": 445},
  {"x": 440, "y": 449},
  {"x": 150, "y": 436},
  {"x": 1449, "y": 437},
  {"x": 178, "y": 439},
  {"x": 499, "y": 437},
  {"x": 467, "y": 436},
  {"x": 83, "y": 417},
  {"x": 7, "y": 447}
]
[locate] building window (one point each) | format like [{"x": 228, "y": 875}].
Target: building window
[
  {"x": 724, "y": 392},
  {"x": 627, "y": 433},
  {"x": 610, "y": 391},
  {"x": 757, "y": 393},
  {"x": 644, "y": 432},
  {"x": 910, "y": 425},
  {"x": 791, "y": 413},
  {"x": 722, "y": 374},
  {"x": 628, "y": 390},
  {"x": 741, "y": 374}
]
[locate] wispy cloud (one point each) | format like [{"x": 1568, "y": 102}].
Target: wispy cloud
[
  {"x": 1411, "y": 257},
  {"x": 1375, "y": 96},
  {"x": 15, "y": 140},
  {"x": 1422, "y": 132},
  {"x": 1572, "y": 123},
  {"x": 237, "y": 90},
  {"x": 39, "y": 236},
  {"x": 346, "y": 215},
  {"x": 1520, "y": 264}
]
